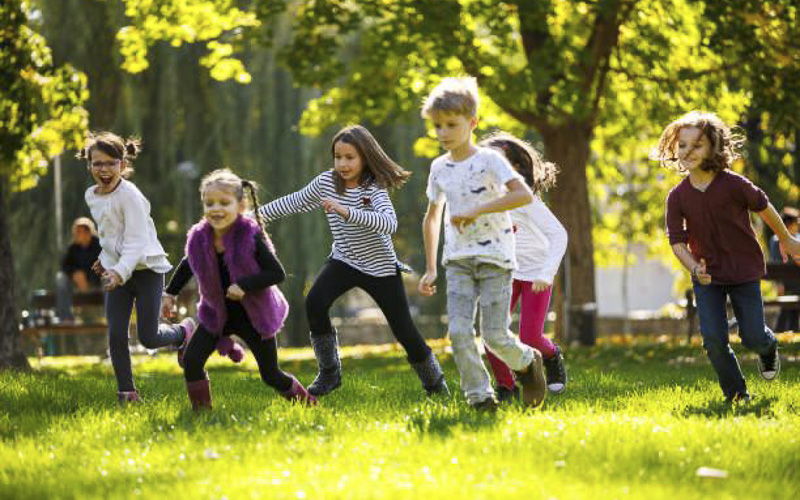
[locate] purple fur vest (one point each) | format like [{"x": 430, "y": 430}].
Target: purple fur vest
[{"x": 266, "y": 308}]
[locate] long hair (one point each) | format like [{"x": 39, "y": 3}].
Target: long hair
[
  {"x": 114, "y": 146},
  {"x": 539, "y": 174},
  {"x": 725, "y": 144},
  {"x": 224, "y": 178},
  {"x": 378, "y": 167}
]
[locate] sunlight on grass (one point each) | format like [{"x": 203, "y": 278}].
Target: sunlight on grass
[{"x": 639, "y": 420}]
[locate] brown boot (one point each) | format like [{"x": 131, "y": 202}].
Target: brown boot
[
  {"x": 199, "y": 394},
  {"x": 533, "y": 382}
]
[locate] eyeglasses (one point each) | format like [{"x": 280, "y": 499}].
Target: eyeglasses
[{"x": 99, "y": 165}]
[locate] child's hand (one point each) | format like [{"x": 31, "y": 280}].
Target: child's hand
[
  {"x": 789, "y": 247},
  {"x": 168, "y": 303},
  {"x": 539, "y": 286},
  {"x": 459, "y": 221},
  {"x": 235, "y": 292},
  {"x": 426, "y": 284},
  {"x": 98, "y": 268},
  {"x": 701, "y": 274},
  {"x": 111, "y": 280},
  {"x": 331, "y": 206}
]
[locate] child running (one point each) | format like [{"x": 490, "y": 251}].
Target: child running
[
  {"x": 708, "y": 224},
  {"x": 541, "y": 241},
  {"x": 478, "y": 187},
  {"x": 237, "y": 273},
  {"x": 132, "y": 262},
  {"x": 362, "y": 220}
]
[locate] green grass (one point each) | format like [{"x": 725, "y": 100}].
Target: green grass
[{"x": 636, "y": 422}]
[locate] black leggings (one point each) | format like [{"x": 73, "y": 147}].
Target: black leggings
[
  {"x": 336, "y": 278},
  {"x": 203, "y": 343}
]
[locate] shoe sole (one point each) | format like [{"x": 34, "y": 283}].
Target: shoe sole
[
  {"x": 557, "y": 388},
  {"x": 534, "y": 384}
]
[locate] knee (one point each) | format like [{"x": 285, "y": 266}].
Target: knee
[
  {"x": 462, "y": 337},
  {"x": 497, "y": 340},
  {"x": 716, "y": 347}
]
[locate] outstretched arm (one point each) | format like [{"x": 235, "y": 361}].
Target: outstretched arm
[{"x": 788, "y": 244}]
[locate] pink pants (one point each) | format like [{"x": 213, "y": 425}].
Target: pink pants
[{"x": 533, "y": 312}]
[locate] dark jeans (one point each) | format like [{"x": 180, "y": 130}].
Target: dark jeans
[
  {"x": 144, "y": 288},
  {"x": 336, "y": 278},
  {"x": 203, "y": 343},
  {"x": 748, "y": 308}
]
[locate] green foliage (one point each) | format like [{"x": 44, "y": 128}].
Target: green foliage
[
  {"x": 637, "y": 421},
  {"x": 41, "y": 110}
]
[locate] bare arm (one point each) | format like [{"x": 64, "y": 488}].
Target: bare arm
[
  {"x": 518, "y": 194},
  {"x": 431, "y": 227}
]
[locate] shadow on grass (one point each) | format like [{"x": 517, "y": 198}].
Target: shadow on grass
[
  {"x": 759, "y": 407},
  {"x": 443, "y": 421}
]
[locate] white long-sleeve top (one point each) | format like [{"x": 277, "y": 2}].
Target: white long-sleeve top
[
  {"x": 364, "y": 240},
  {"x": 541, "y": 241},
  {"x": 127, "y": 234}
]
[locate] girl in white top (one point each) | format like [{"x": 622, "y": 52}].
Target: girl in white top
[
  {"x": 540, "y": 245},
  {"x": 132, "y": 262}
]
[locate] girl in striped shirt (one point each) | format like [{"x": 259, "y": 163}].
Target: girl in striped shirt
[{"x": 362, "y": 220}]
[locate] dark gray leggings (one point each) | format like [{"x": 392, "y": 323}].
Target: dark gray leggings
[{"x": 145, "y": 289}]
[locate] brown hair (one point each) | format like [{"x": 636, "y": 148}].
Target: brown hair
[
  {"x": 539, "y": 174},
  {"x": 114, "y": 146},
  {"x": 232, "y": 183},
  {"x": 458, "y": 96},
  {"x": 378, "y": 167},
  {"x": 725, "y": 144}
]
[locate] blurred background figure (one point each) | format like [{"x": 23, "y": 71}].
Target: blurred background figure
[
  {"x": 788, "y": 319},
  {"x": 76, "y": 267}
]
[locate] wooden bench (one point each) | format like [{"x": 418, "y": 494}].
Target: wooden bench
[
  {"x": 40, "y": 320},
  {"x": 776, "y": 271}
]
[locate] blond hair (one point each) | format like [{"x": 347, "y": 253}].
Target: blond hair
[
  {"x": 455, "y": 95},
  {"x": 225, "y": 179}
]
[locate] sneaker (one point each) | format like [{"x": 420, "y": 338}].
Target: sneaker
[
  {"x": 189, "y": 326},
  {"x": 739, "y": 398},
  {"x": 507, "y": 395},
  {"x": 532, "y": 380},
  {"x": 555, "y": 372},
  {"x": 487, "y": 405},
  {"x": 769, "y": 365}
]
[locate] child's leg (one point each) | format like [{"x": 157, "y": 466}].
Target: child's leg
[
  {"x": 390, "y": 296},
  {"x": 502, "y": 373},
  {"x": 148, "y": 286},
  {"x": 333, "y": 280},
  {"x": 119, "y": 305},
  {"x": 533, "y": 314},
  {"x": 266, "y": 353},
  {"x": 462, "y": 296},
  {"x": 495, "y": 296},
  {"x": 713, "y": 317},
  {"x": 197, "y": 352},
  {"x": 748, "y": 307}
]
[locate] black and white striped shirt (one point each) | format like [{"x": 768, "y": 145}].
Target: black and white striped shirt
[{"x": 364, "y": 241}]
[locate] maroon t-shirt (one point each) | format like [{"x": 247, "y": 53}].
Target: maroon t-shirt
[{"x": 716, "y": 225}]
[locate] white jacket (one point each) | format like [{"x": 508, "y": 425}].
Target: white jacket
[
  {"x": 126, "y": 230},
  {"x": 540, "y": 242}
]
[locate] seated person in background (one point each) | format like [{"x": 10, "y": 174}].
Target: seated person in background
[
  {"x": 76, "y": 266},
  {"x": 788, "y": 319}
]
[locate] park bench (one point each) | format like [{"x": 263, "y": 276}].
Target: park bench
[
  {"x": 40, "y": 320},
  {"x": 776, "y": 271}
]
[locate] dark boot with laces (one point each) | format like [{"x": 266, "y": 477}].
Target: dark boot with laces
[
  {"x": 555, "y": 372},
  {"x": 326, "y": 350}
]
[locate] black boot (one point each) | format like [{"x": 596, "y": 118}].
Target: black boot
[
  {"x": 431, "y": 376},
  {"x": 326, "y": 350}
]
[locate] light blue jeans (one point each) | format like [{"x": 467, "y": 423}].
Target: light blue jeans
[{"x": 471, "y": 282}]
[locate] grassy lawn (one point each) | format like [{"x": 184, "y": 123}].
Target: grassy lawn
[{"x": 637, "y": 421}]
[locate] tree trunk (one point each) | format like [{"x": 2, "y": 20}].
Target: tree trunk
[
  {"x": 568, "y": 146},
  {"x": 11, "y": 355}
]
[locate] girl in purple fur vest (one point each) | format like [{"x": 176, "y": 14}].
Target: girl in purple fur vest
[{"x": 237, "y": 273}]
